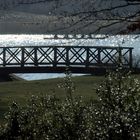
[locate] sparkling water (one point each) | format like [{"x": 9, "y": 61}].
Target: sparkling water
[{"x": 10, "y": 40}]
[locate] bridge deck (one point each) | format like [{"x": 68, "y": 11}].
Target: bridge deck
[{"x": 55, "y": 59}]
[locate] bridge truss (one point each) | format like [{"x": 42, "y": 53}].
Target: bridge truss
[{"x": 55, "y": 59}]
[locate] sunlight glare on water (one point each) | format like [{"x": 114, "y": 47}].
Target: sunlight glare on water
[
  {"x": 40, "y": 40},
  {"x": 11, "y": 40}
]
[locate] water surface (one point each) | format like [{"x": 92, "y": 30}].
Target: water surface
[{"x": 11, "y": 40}]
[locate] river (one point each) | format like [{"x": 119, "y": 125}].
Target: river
[{"x": 10, "y": 40}]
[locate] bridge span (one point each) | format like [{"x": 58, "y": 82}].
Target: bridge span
[{"x": 55, "y": 59}]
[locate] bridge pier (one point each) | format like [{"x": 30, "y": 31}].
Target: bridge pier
[
  {"x": 9, "y": 77},
  {"x": 5, "y": 77}
]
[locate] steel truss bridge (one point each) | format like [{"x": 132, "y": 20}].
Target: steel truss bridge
[{"x": 56, "y": 59}]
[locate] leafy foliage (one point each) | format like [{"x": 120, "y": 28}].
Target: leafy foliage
[
  {"x": 119, "y": 110},
  {"x": 114, "y": 117}
]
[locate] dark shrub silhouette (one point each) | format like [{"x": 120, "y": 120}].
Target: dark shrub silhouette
[{"x": 115, "y": 116}]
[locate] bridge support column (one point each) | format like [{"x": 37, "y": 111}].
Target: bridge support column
[
  {"x": 5, "y": 77},
  {"x": 22, "y": 57},
  {"x": 99, "y": 56},
  {"x": 55, "y": 57},
  {"x": 130, "y": 57},
  {"x": 87, "y": 58}
]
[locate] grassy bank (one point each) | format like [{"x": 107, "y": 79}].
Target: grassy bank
[{"x": 21, "y": 91}]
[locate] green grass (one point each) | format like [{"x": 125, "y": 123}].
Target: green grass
[{"x": 21, "y": 91}]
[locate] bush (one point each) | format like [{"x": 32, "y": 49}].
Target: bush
[
  {"x": 118, "y": 113},
  {"x": 114, "y": 117},
  {"x": 46, "y": 118}
]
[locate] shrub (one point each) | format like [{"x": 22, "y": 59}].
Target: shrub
[
  {"x": 118, "y": 113},
  {"x": 46, "y": 118},
  {"x": 114, "y": 117}
]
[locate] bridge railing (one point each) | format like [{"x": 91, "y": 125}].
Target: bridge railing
[{"x": 55, "y": 56}]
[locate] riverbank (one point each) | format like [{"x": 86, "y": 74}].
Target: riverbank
[{"x": 21, "y": 91}]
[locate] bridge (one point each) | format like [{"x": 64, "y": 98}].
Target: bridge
[{"x": 55, "y": 59}]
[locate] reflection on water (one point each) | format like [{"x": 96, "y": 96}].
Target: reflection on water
[
  {"x": 44, "y": 40},
  {"x": 39, "y": 76}
]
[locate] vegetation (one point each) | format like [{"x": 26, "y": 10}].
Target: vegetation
[
  {"x": 21, "y": 91},
  {"x": 115, "y": 116}
]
